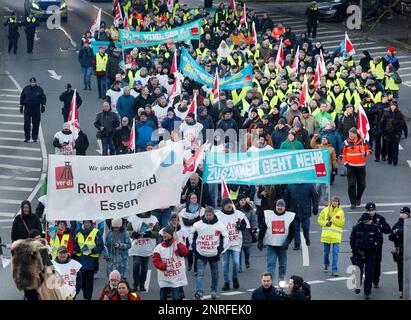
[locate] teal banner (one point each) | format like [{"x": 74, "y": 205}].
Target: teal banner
[
  {"x": 135, "y": 39},
  {"x": 268, "y": 167},
  {"x": 195, "y": 71},
  {"x": 95, "y": 44}
]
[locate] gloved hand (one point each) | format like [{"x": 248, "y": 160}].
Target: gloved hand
[
  {"x": 260, "y": 246},
  {"x": 328, "y": 224},
  {"x": 147, "y": 234},
  {"x": 135, "y": 235},
  {"x": 21, "y": 109},
  {"x": 43, "y": 108}
]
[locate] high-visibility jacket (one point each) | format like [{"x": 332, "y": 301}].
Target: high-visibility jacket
[
  {"x": 378, "y": 69},
  {"x": 237, "y": 95},
  {"x": 131, "y": 74},
  {"x": 333, "y": 233},
  {"x": 277, "y": 32},
  {"x": 201, "y": 53},
  {"x": 353, "y": 98},
  {"x": 390, "y": 84},
  {"x": 272, "y": 101},
  {"x": 232, "y": 62},
  {"x": 355, "y": 153},
  {"x": 90, "y": 242},
  {"x": 32, "y": 19},
  {"x": 234, "y": 194},
  {"x": 101, "y": 62},
  {"x": 375, "y": 97},
  {"x": 56, "y": 243},
  {"x": 281, "y": 94},
  {"x": 338, "y": 101}
]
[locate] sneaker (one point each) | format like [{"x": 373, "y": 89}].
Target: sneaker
[
  {"x": 384, "y": 159},
  {"x": 198, "y": 296},
  {"x": 326, "y": 270},
  {"x": 35, "y": 140},
  {"x": 353, "y": 206},
  {"x": 226, "y": 286},
  {"x": 334, "y": 274},
  {"x": 357, "y": 291},
  {"x": 401, "y": 295},
  {"x": 236, "y": 284},
  {"x": 308, "y": 242},
  {"x": 26, "y": 140},
  {"x": 376, "y": 285},
  {"x": 296, "y": 247},
  {"x": 240, "y": 271},
  {"x": 213, "y": 296},
  {"x": 189, "y": 268},
  {"x": 366, "y": 296}
]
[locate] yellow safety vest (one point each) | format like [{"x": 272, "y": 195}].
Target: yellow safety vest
[
  {"x": 32, "y": 20},
  {"x": 338, "y": 101},
  {"x": 90, "y": 242},
  {"x": 281, "y": 95},
  {"x": 101, "y": 62},
  {"x": 131, "y": 77},
  {"x": 374, "y": 97},
  {"x": 55, "y": 243},
  {"x": 234, "y": 194},
  {"x": 390, "y": 84},
  {"x": 236, "y": 97},
  {"x": 353, "y": 96},
  {"x": 378, "y": 69}
]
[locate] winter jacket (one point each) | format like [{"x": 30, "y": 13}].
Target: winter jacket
[
  {"x": 207, "y": 123},
  {"x": 140, "y": 101},
  {"x": 118, "y": 256},
  {"x": 109, "y": 120},
  {"x": 227, "y": 124},
  {"x": 397, "y": 236},
  {"x": 345, "y": 124},
  {"x": 125, "y": 107},
  {"x": 333, "y": 157},
  {"x": 252, "y": 218},
  {"x": 302, "y": 136},
  {"x": 399, "y": 123},
  {"x": 88, "y": 262},
  {"x": 295, "y": 145},
  {"x": 302, "y": 199},
  {"x": 265, "y": 294},
  {"x": 144, "y": 131},
  {"x": 32, "y": 98},
  {"x": 355, "y": 153},
  {"x": 113, "y": 66},
  {"x": 66, "y": 97},
  {"x": 274, "y": 192},
  {"x": 188, "y": 188},
  {"x": 19, "y": 230},
  {"x": 82, "y": 144},
  {"x": 85, "y": 57},
  {"x": 119, "y": 134},
  {"x": 107, "y": 291},
  {"x": 333, "y": 232},
  {"x": 168, "y": 124},
  {"x": 132, "y": 296},
  {"x": 311, "y": 125},
  {"x": 279, "y": 135},
  {"x": 334, "y": 138},
  {"x": 380, "y": 223}
]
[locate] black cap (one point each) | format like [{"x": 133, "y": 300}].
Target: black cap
[
  {"x": 405, "y": 210},
  {"x": 394, "y": 102},
  {"x": 169, "y": 230},
  {"x": 226, "y": 201},
  {"x": 370, "y": 206},
  {"x": 32, "y": 79},
  {"x": 68, "y": 86}
]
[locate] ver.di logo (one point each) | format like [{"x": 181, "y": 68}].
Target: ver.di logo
[
  {"x": 169, "y": 160},
  {"x": 64, "y": 176}
]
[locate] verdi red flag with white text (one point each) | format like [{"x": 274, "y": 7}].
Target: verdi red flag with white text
[
  {"x": 225, "y": 193},
  {"x": 253, "y": 34},
  {"x": 117, "y": 16},
  {"x": 233, "y": 5},
  {"x": 96, "y": 23},
  {"x": 193, "y": 107},
  {"x": 349, "y": 47},
  {"x": 132, "y": 141},
  {"x": 173, "y": 69},
  {"x": 304, "y": 93},
  {"x": 279, "y": 59},
  {"x": 294, "y": 66},
  {"x": 363, "y": 126},
  {"x": 73, "y": 115}
]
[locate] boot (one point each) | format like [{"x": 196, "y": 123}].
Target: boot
[{"x": 236, "y": 284}]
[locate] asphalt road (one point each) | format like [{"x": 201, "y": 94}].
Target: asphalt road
[{"x": 20, "y": 169}]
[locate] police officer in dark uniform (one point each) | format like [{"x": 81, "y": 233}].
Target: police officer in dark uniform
[
  {"x": 32, "y": 102},
  {"x": 383, "y": 228},
  {"x": 30, "y": 24},
  {"x": 13, "y": 23},
  {"x": 364, "y": 243},
  {"x": 312, "y": 21}
]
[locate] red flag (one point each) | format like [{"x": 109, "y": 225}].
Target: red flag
[
  {"x": 192, "y": 163},
  {"x": 279, "y": 59},
  {"x": 317, "y": 76},
  {"x": 73, "y": 115},
  {"x": 216, "y": 89},
  {"x": 117, "y": 15},
  {"x": 96, "y": 23},
  {"x": 193, "y": 107},
  {"x": 225, "y": 193},
  {"x": 349, "y": 47},
  {"x": 304, "y": 93},
  {"x": 243, "y": 19},
  {"x": 321, "y": 61},
  {"x": 253, "y": 34},
  {"x": 233, "y": 5},
  {"x": 363, "y": 126},
  {"x": 132, "y": 141},
  {"x": 294, "y": 66},
  {"x": 175, "y": 91},
  {"x": 173, "y": 69},
  {"x": 125, "y": 22}
]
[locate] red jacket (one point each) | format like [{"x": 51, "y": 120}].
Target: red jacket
[
  {"x": 182, "y": 251},
  {"x": 131, "y": 296}
]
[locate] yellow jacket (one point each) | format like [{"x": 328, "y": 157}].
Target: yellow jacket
[{"x": 333, "y": 233}]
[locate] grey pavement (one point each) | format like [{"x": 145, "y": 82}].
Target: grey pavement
[{"x": 386, "y": 185}]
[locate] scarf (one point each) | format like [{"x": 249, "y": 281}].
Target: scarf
[{"x": 193, "y": 207}]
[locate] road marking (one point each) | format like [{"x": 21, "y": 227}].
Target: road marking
[
  {"x": 12, "y": 123},
  {"x": 337, "y": 279},
  {"x": 19, "y": 148},
  {"x": 10, "y": 201},
  {"x": 15, "y": 189},
  {"x": 232, "y": 293},
  {"x": 100, "y": 147},
  {"x": 7, "y": 227},
  {"x": 390, "y": 272},
  {"x": 11, "y": 139},
  {"x": 9, "y": 95},
  {"x": 207, "y": 297},
  {"x": 147, "y": 283},
  {"x": 5, "y": 220},
  {"x": 23, "y": 168},
  {"x": 250, "y": 290},
  {"x": 21, "y": 158},
  {"x": 8, "y": 101},
  {"x": 11, "y": 130},
  {"x": 7, "y": 214},
  {"x": 68, "y": 36},
  {"x": 12, "y": 90},
  {"x": 379, "y": 211},
  {"x": 315, "y": 282},
  {"x": 314, "y": 231},
  {"x": 12, "y": 115},
  {"x": 408, "y": 68},
  {"x": 8, "y": 108},
  {"x": 409, "y": 162},
  {"x": 53, "y": 74},
  {"x": 8, "y": 9},
  {"x": 385, "y": 204},
  {"x": 18, "y": 178},
  {"x": 306, "y": 255},
  {"x": 97, "y": 8},
  {"x": 400, "y": 147}
]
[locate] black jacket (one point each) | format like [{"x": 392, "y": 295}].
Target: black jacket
[
  {"x": 13, "y": 27},
  {"x": 219, "y": 249},
  {"x": 108, "y": 120},
  {"x": 397, "y": 235},
  {"x": 81, "y": 144},
  {"x": 66, "y": 97},
  {"x": 382, "y": 225},
  {"x": 85, "y": 57},
  {"x": 113, "y": 66},
  {"x": 265, "y": 294},
  {"x": 30, "y": 27},
  {"x": 119, "y": 134},
  {"x": 364, "y": 238},
  {"x": 302, "y": 199},
  {"x": 32, "y": 98},
  {"x": 312, "y": 13},
  {"x": 19, "y": 230}
]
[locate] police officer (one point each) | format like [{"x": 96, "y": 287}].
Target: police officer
[
  {"x": 14, "y": 34},
  {"x": 364, "y": 243},
  {"x": 312, "y": 21},
  {"x": 383, "y": 228},
  {"x": 32, "y": 102},
  {"x": 30, "y": 25}
]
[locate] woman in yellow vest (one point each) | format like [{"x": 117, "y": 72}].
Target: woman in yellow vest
[
  {"x": 332, "y": 220},
  {"x": 60, "y": 238}
]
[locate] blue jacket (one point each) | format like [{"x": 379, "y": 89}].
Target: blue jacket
[
  {"x": 168, "y": 123},
  {"x": 87, "y": 262},
  {"x": 278, "y": 136},
  {"x": 144, "y": 131},
  {"x": 335, "y": 139},
  {"x": 302, "y": 199},
  {"x": 125, "y": 106}
]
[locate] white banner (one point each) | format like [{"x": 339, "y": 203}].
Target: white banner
[{"x": 96, "y": 187}]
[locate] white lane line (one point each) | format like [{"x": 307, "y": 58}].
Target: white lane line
[
  {"x": 385, "y": 204},
  {"x": 7, "y": 215},
  {"x": 69, "y": 37},
  {"x": 390, "y": 272},
  {"x": 315, "y": 282},
  {"x": 409, "y": 162},
  {"x": 207, "y": 297},
  {"x": 97, "y": 8},
  {"x": 232, "y": 293},
  {"x": 314, "y": 231},
  {"x": 250, "y": 290},
  {"x": 21, "y": 158},
  {"x": 12, "y": 123},
  {"x": 402, "y": 69},
  {"x": 7, "y": 227},
  {"x": 9, "y": 95},
  {"x": 400, "y": 147},
  {"x": 13, "y": 90},
  {"x": 12, "y": 115},
  {"x": 372, "y": 48},
  {"x": 100, "y": 147},
  {"x": 147, "y": 283},
  {"x": 6, "y": 220},
  {"x": 8, "y": 101},
  {"x": 11, "y": 139},
  {"x": 8, "y": 108},
  {"x": 23, "y": 168},
  {"x": 379, "y": 211},
  {"x": 306, "y": 255},
  {"x": 15, "y": 189},
  {"x": 19, "y": 148},
  {"x": 18, "y": 178},
  {"x": 338, "y": 279},
  {"x": 10, "y": 201}
]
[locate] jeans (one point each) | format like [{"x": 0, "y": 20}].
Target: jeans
[
  {"x": 140, "y": 267},
  {"x": 107, "y": 143},
  {"x": 305, "y": 223},
  {"x": 102, "y": 85},
  {"x": 201, "y": 265},
  {"x": 235, "y": 258},
  {"x": 246, "y": 256},
  {"x": 86, "y": 76},
  {"x": 356, "y": 183},
  {"x": 336, "y": 248},
  {"x": 176, "y": 293},
  {"x": 272, "y": 254}
]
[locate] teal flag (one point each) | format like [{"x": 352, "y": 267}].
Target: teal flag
[
  {"x": 268, "y": 167},
  {"x": 195, "y": 71},
  {"x": 135, "y": 39}
]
